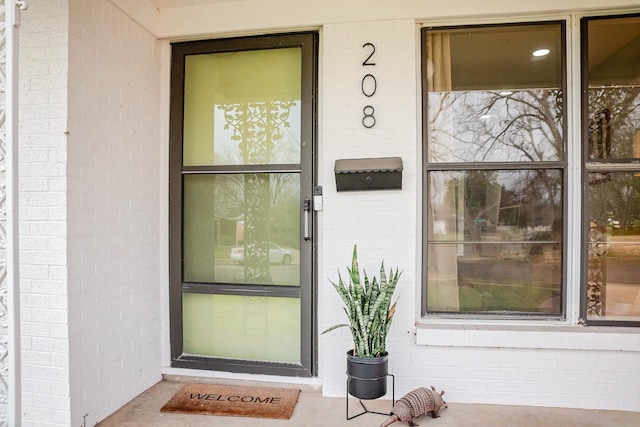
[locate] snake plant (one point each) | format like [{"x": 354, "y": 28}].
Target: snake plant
[{"x": 367, "y": 304}]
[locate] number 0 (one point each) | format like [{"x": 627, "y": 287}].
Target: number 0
[{"x": 369, "y": 85}]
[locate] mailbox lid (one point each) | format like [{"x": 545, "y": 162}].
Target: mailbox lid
[
  {"x": 378, "y": 164},
  {"x": 383, "y": 173}
]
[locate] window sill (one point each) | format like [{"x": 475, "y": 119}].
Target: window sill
[{"x": 552, "y": 337}]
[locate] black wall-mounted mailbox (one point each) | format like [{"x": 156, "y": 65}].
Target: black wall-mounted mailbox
[{"x": 383, "y": 173}]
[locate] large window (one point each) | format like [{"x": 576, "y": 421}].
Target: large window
[
  {"x": 501, "y": 172},
  {"x": 611, "y": 156},
  {"x": 495, "y": 170}
]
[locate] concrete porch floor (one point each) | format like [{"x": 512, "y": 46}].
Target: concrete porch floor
[{"x": 313, "y": 410}]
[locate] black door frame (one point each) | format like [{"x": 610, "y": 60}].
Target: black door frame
[{"x": 308, "y": 42}]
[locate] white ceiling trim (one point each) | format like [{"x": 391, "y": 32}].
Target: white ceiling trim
[{"x": 162, "y": 4}]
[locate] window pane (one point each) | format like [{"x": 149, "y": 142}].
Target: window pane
[
  {"x": 613, "y": 276},
  {"x": 497, "y": 278},
  {"x": 242, "y": 108},
  {"x": 242, "y": 228},
  {"x": 491, "y": 126},
  {"x": 240, "y": 327},
  {"x": 614, "y": 94},
  {"x": 490, "y": 98},
  {"x": 512, "y": 221},
  {"x": 495, "y": 94},
  {"x": 495, "y": 205}
]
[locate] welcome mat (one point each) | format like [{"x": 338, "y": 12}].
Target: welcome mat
[{"x": 234, "y": 401}]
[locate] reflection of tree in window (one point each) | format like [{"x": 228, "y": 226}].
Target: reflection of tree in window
[
  {"x": 255, "y": 126},
  {"x": 614, "y": 113},
  {"x": 482, "y": 204},
  {"x": 508, "y": 126}
]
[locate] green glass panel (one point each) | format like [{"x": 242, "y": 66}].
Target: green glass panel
[
  {"x": 242, "y": 228},
  {"x": 242, "y": 327},
  {"x": 242, "y": 108}
]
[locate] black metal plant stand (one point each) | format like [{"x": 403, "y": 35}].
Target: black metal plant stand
[{"x": 367, "y": 411}]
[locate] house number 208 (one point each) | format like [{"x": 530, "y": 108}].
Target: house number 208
[{"x": 369, "y": 85}]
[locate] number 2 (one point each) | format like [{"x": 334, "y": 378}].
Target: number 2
[{"x": 373, "y": 51}]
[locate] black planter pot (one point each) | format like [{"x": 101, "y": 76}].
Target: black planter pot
[{"x": 367, "y": 376}]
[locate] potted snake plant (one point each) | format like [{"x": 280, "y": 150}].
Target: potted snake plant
[{"x": 367, "y": 304}]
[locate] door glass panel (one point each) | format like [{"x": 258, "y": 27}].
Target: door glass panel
[
  {"x": 242, "y": 327},
  {"x": 242, "y": 228},
  {"x": 242, "y": 108}
]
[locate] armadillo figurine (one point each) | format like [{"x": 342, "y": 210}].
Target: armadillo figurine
[{"x": 416, "y": 403}]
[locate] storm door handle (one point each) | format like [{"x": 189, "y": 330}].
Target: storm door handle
[{"x": 307, "y": 222}]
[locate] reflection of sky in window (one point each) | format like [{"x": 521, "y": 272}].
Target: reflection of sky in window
[
  {"x": 286, "y": 150},
  {"x": 482, "y": 126}
]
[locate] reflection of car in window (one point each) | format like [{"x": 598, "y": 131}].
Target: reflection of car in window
[
  {"x": 613, "y": 223},
  {"x": 277, "y": 255}
]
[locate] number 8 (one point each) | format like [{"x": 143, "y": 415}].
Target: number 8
[{"x": 368, "y": 120}]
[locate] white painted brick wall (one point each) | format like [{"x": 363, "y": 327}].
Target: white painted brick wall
[
  {"x": 565, "y": 366},
  {"x": 382, "y": 223},
  {"x": 113, "y": 209},
  {"x": 89, "y": 204},
  {"x": 43, "y": 57}
]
